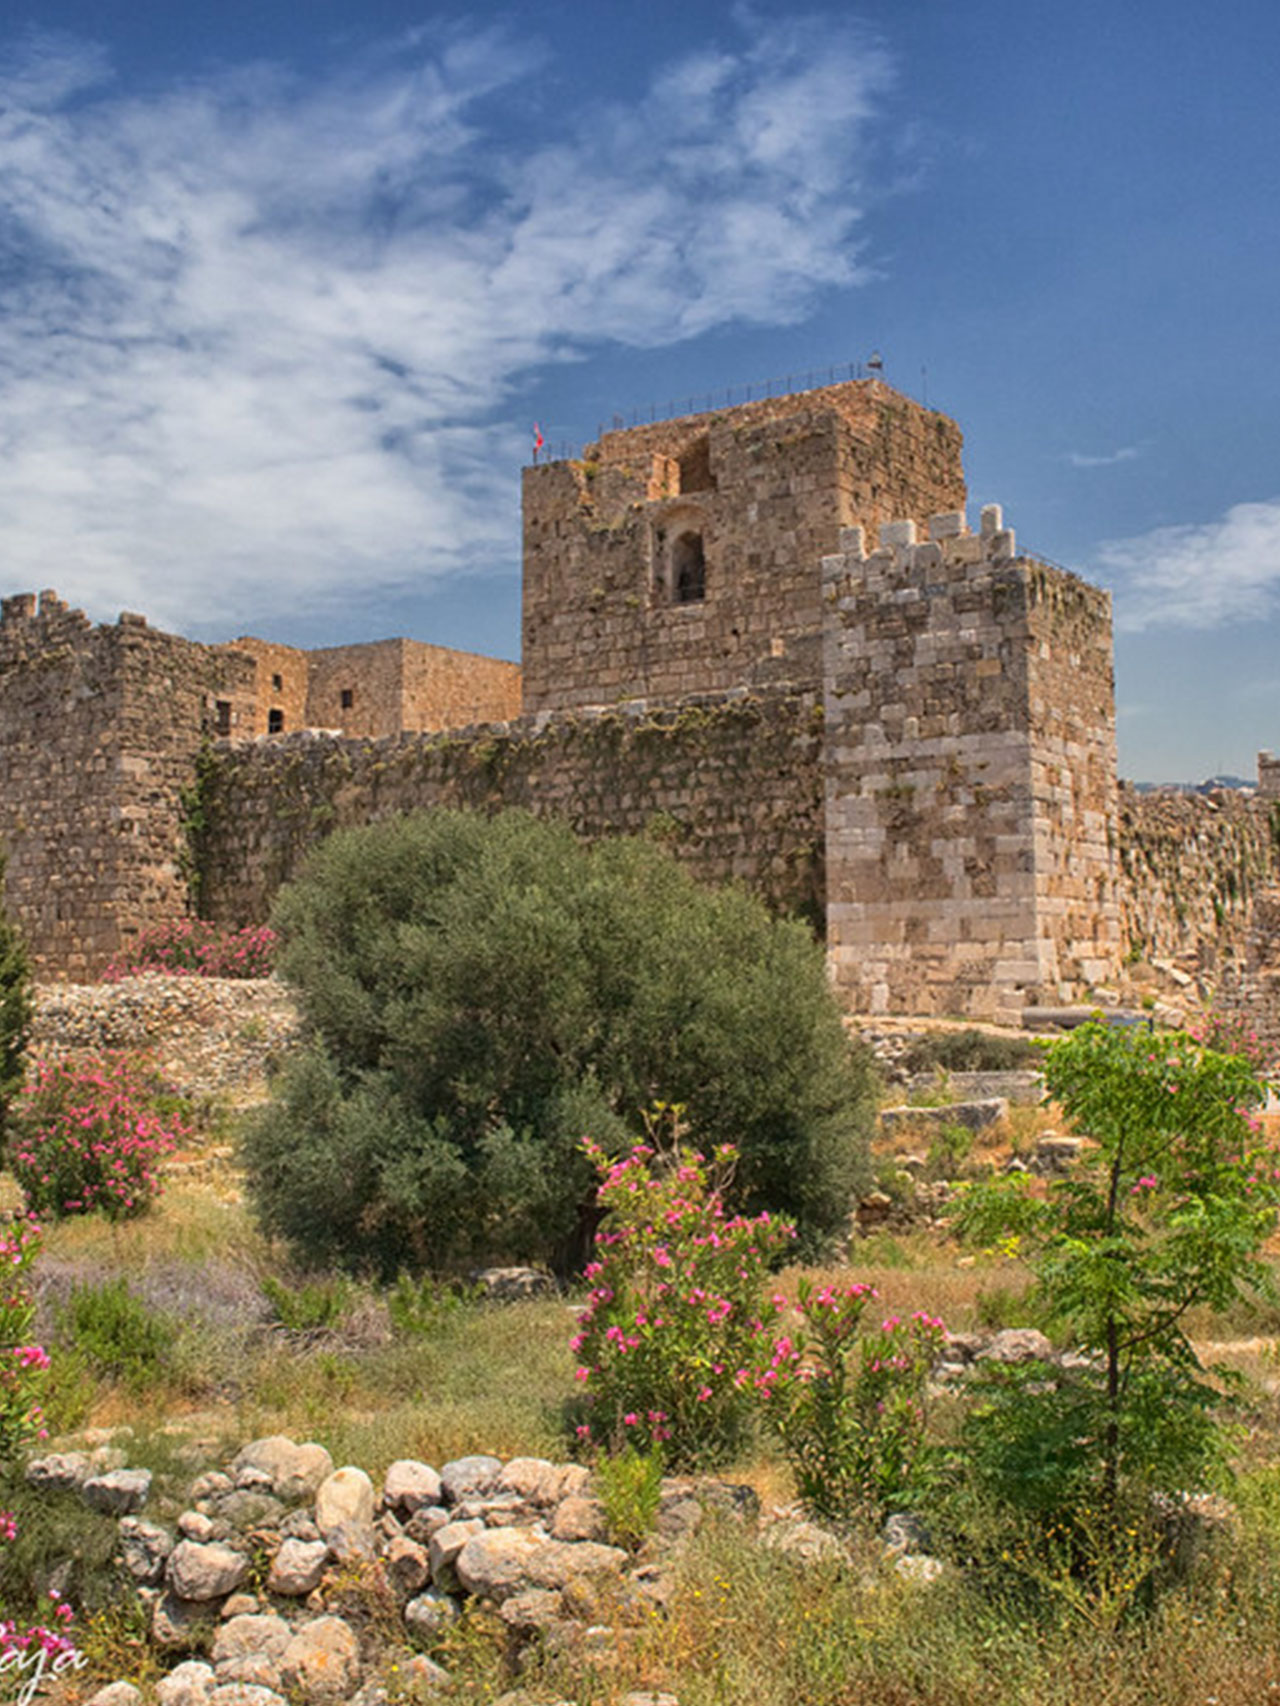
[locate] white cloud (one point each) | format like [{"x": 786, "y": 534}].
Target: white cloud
[
  {"x": 261, "y": 333},
  {"x": 1078, "y": 459},
  {"x": 1208, "y": 576}
]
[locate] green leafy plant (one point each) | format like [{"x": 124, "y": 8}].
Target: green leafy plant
[
  {"x": 628, "y": 1484},
  {"x": 970, "y": 1050},
  {"x": 1167, "y": 1210},
  {"x": 482, "y": 991},
  {"x": 669, "y": 1343},
  {"x": 310, "y": 1305},
  {"x": 117, "y": 1334},
  {"x": 848, "y": 1402}
]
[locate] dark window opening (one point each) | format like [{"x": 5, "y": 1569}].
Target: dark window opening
[
  {"x": 222, "y": 716},
  {"x": 348, "y": 697},
  {"x": 277, "y": 683},
  {"x": 275, "y": 721},
  {"x": 688, "y": 569},
  {"x": 695, "y": 467}
]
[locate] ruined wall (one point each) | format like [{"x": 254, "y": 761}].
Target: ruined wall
[
  {"x": 99, "y": 731},
  {"x": 733, "y": 786},
  {"x": 966, "y": 800},
  {"x": 1268, "y": 776},
  {"x": 683, "y": 557},
  {"x": 1191, "y": 867}
]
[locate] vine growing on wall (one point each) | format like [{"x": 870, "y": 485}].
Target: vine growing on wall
[{"x": 195, "y": 823}]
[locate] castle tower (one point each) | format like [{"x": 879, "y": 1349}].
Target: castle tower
[
  {"x": 684, "y": 557},
  {"x": 971, "y": 779}
]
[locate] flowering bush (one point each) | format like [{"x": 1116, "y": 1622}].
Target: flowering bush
[
  {"x": 669, "y": 1342},
  {"x": 45, "y": 1649},
  {"x": 22, "y": 1362},
  {"x": 194, "y": 948},
  {"x": 848, "y": 1401},
  {"x": 89, "y": 1137}
]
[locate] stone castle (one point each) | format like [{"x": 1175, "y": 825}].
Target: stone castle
[{"x": 766, "y": 636}]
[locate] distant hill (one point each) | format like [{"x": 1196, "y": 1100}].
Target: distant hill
[{"x": 1212, "y": 785}]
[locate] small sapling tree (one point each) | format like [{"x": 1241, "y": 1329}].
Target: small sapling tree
[{"x": 1167, "y": 1211}]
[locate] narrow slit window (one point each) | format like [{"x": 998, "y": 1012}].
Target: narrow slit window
[
  {"x": 277, "y": 683},
  {"x": 348, "y": 697},
  {"x": 275, "y": 721},
  {"x": 222, "y": 716},
  {"x": 688, "y": 569}
]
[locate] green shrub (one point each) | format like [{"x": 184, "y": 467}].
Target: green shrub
[
  {"x": 117, "y": 1334},
  {"x": 309, "y": 1306},
  {"x": 482, "y": 992},
  {"x": 628, "y": 1484}
]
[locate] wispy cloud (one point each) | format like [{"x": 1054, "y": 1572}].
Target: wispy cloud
[
  {"x": 1078, "y": 459},
  {"x": 1206, "y": 576},
  {"x": 263, "y": 335}
]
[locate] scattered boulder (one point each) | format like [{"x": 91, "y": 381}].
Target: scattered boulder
[
  {"x": 187, "y": 1684},
  {"x": 297, "y": 1568},
  {"x": 467, "y": 1476},
  {"x": 509, "y": 1285},
  {"x": 322, "y": 1661},
  {"x": 291, "y": 1471},
  {"x": 204, "y": 1572},
  {"x": 409, "y": 1485},
  {"x": 119, "y": 1492}
]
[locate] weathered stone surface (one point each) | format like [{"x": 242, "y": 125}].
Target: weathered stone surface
[
  {"x": 507, "y": 1285},
  {"x": 297, "y": 1568},
  {"x": 205, "y": 1572},
  {"x": 180, "y": 1624},
  {"x": 504, "y": 1561},
  {"x": 808, "y": 1542},
  {"x": 249, "y": 1649},
  {"x": 187, "y": 1684},
  {"x": 443, "y": 1549},
  {"x": 539, "y": 1482},
  {"x": 322, "y": 1660},
  {"x": 116, "y": 1694},
  {"x": 409, "y": 1485},
  {"x": 119, "y": 1492},
  {"x": 245, "y": 1694},
  {"x": 144, "y": 1547},
  {"x": 408, "y": 1566},
  {"x": 293, "y": 1471},
  {"x": 578, "y": 1519},
  {"x": 467, "y": 1476},
  {"x": 429, "y": 1614},
  {"x": 344, "y": 1514},
  {"x": 1017, "y": 1344},
  {"x": 58, "y": 1469}
]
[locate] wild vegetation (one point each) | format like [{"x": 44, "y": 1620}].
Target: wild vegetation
[
  {"x": 1063, "y": 1499},
  {"x": 481, "y": 992}
]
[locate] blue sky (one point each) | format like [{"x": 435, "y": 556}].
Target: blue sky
[{"x": 285, "y": 287}]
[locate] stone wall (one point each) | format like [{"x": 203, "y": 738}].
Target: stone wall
[
  {"x": 684, "y": 557},
  {"x": 1191, "y": 868},
  {"x": 99, "y": 731},
  {"x": 733, "y": 786},
  {"x": 970, "y": 774}
]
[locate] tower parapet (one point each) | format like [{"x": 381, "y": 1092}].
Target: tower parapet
[{"x": 970, "y": 773}]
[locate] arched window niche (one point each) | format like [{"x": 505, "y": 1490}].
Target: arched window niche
[{"x": 688, "y": 568}]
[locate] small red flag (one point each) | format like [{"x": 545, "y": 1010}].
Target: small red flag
[{"x": 538, "y": 439}]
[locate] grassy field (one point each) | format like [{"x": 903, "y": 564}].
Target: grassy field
[{"x": 191, "y": 1330}]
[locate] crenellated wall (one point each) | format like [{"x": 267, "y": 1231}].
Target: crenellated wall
[{"x": 970, "y": 774}]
